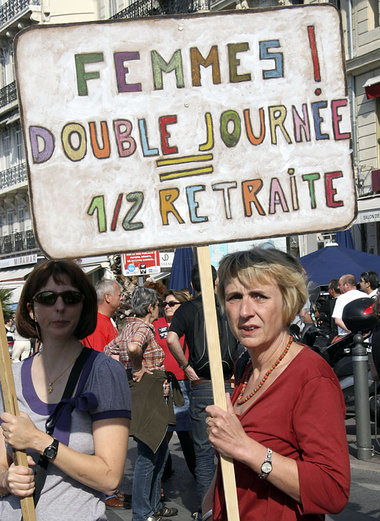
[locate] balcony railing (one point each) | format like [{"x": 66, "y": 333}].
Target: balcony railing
[
  {"x": 141, "y": 8},
  {"x": 17, "y": 242},
  {"x": 13, "y": 176},
  {"x": 8, "y": 94},
  {"x": 12, "y": 8}
]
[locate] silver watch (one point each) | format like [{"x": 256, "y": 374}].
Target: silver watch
[{"x": 266, "y": 467}]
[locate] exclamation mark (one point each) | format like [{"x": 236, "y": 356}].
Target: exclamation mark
[{"x": 314, "y": 55}]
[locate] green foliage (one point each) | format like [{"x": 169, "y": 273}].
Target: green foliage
[{"x": 5, "y": 297}]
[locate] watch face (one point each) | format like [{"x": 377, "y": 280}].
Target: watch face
[
  {"x": 50, "y": 452},
  {"x": 266, "y": 467}
]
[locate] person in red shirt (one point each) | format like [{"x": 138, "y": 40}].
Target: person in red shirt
[
  {"x": 172, "y": 301},
  {"x": 109, "y": 297},
  {"x": 284, "y": 424}
]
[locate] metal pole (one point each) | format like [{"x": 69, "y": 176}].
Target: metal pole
[{"x": 363, "y": 424}]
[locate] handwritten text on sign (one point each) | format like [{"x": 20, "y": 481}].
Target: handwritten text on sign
[{"x": 191, "y": 130}]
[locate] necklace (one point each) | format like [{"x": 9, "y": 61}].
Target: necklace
[
  {"x": 240, "y": 399},
  {"x": 51, "y": 383}
]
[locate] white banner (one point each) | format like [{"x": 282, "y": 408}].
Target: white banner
[{"x": 185, "y": 130}]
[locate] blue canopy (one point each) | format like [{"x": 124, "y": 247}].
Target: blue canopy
[
  {"x": 180, "y": 276},
  {"x": 333, "y": 261}
]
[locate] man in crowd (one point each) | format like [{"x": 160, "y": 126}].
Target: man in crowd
[
  {"x": 369, "y": 282},
  {"x": 189, "y": 320},
  {"x": 347, "y": 286},
  {"x": 334, "y": 293},
  {"x": 109, "y": 299}
]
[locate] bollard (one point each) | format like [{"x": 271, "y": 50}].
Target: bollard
[{"x": 363, "y": 424}]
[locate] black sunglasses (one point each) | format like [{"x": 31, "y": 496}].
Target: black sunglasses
[
  {"x": 49, "y": 298},
  {"x": 171, "y": 304}
]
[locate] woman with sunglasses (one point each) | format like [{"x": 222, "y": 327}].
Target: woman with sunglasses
[
  {"x": 86, "y": 446},
  {"x": 172, "y": 301}
]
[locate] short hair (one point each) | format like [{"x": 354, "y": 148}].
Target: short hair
[
  {"x": 142, "y": 297},
  {"x": 105, "y": 287},
  {"x": 348, "y": 279},
  {"x": 58, "y": 270},
  {"x": 265, "y": 265},
  {"x": 179, "y": 294},
  {"x": 334, "y": 284},
  {"x": 195, "y": 277},
  {"x": 371, "y": 277}
]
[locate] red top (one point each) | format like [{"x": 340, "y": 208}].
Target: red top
[
  {"x": 161, "y": 332},
  {"x": 104, "y": 332},
  {"x": 301, "y": 416}
]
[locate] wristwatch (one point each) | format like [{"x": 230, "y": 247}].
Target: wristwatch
[
  {"x": 51, "y": 451},
  {"x": 266, "y": 467}
]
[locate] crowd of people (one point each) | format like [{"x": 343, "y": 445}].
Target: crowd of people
[{"x": 89, "y": 385}]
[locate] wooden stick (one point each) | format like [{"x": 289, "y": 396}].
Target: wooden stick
[
  {"x": 217, "y": 378},
  {"x": 11, "y": 406}
]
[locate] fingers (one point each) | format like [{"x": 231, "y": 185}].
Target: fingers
[
  {"x": 230, "y": 407},
  {"x": 20, "y": 480},
  {"x": 31, "y": 461},
  {"x": 6, "y": 416}
]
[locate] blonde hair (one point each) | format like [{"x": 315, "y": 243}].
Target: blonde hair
[{"x": 264, "y": 266}]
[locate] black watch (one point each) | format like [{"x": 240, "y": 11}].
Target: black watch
[
  {"x": 266, "y": 467},
  {"x": 51, "y": 451}
]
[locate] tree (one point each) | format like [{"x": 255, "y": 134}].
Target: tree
[{"x": 5, "y": 297}]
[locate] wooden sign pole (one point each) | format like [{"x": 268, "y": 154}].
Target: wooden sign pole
[
  {"x": 11, "y": 406},
  {"x": 217, "y": 378}
]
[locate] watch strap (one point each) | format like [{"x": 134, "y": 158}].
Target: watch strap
[{"x": 268, "y": 459}]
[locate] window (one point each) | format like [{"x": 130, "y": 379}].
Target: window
[
  {"x": 373, "y": 14},
  {"x": 19, "y": 146},
  {"x": 7, "y": 147},
  {"x": 113, "y": 7},
  {"x": 2, "y": 69},
  {"x": 10, "y": 221},
  {"x": 21, "y": 217}
]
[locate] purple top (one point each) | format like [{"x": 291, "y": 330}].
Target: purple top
[{"x": 102, "y": 392}]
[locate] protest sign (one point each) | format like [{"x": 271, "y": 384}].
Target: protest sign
[{"x": 185, "y": 130}]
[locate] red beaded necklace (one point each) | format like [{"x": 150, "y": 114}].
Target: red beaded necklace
[{"x": 240, "y": 399}]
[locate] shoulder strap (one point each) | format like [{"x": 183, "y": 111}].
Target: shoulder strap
[
  {"x": 42, "y": 464},
  {"x": 75, "y": 372}
]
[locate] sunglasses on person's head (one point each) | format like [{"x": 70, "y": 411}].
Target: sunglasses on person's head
[
  {"x": 49, "y": 298},
  {"x": 171, "y": 304}
]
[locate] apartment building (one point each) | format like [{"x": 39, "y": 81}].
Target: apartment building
[
  {"x": 18, "y": 248},
  {"x": 360, "y": 18},
  {"x": 362, "y": 46}
]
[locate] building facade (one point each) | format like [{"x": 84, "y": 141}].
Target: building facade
[
  {"x": 18, "y": 248},
  {"x": 361, "y": 31},
  {"x": 361, "y": 25}
]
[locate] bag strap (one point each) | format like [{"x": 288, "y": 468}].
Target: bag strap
[
  {"x": 75, "y": 373},
  {"x": 42, "y": 464}
]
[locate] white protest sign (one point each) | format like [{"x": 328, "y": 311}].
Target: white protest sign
[{"x": 185, "y": 130}]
